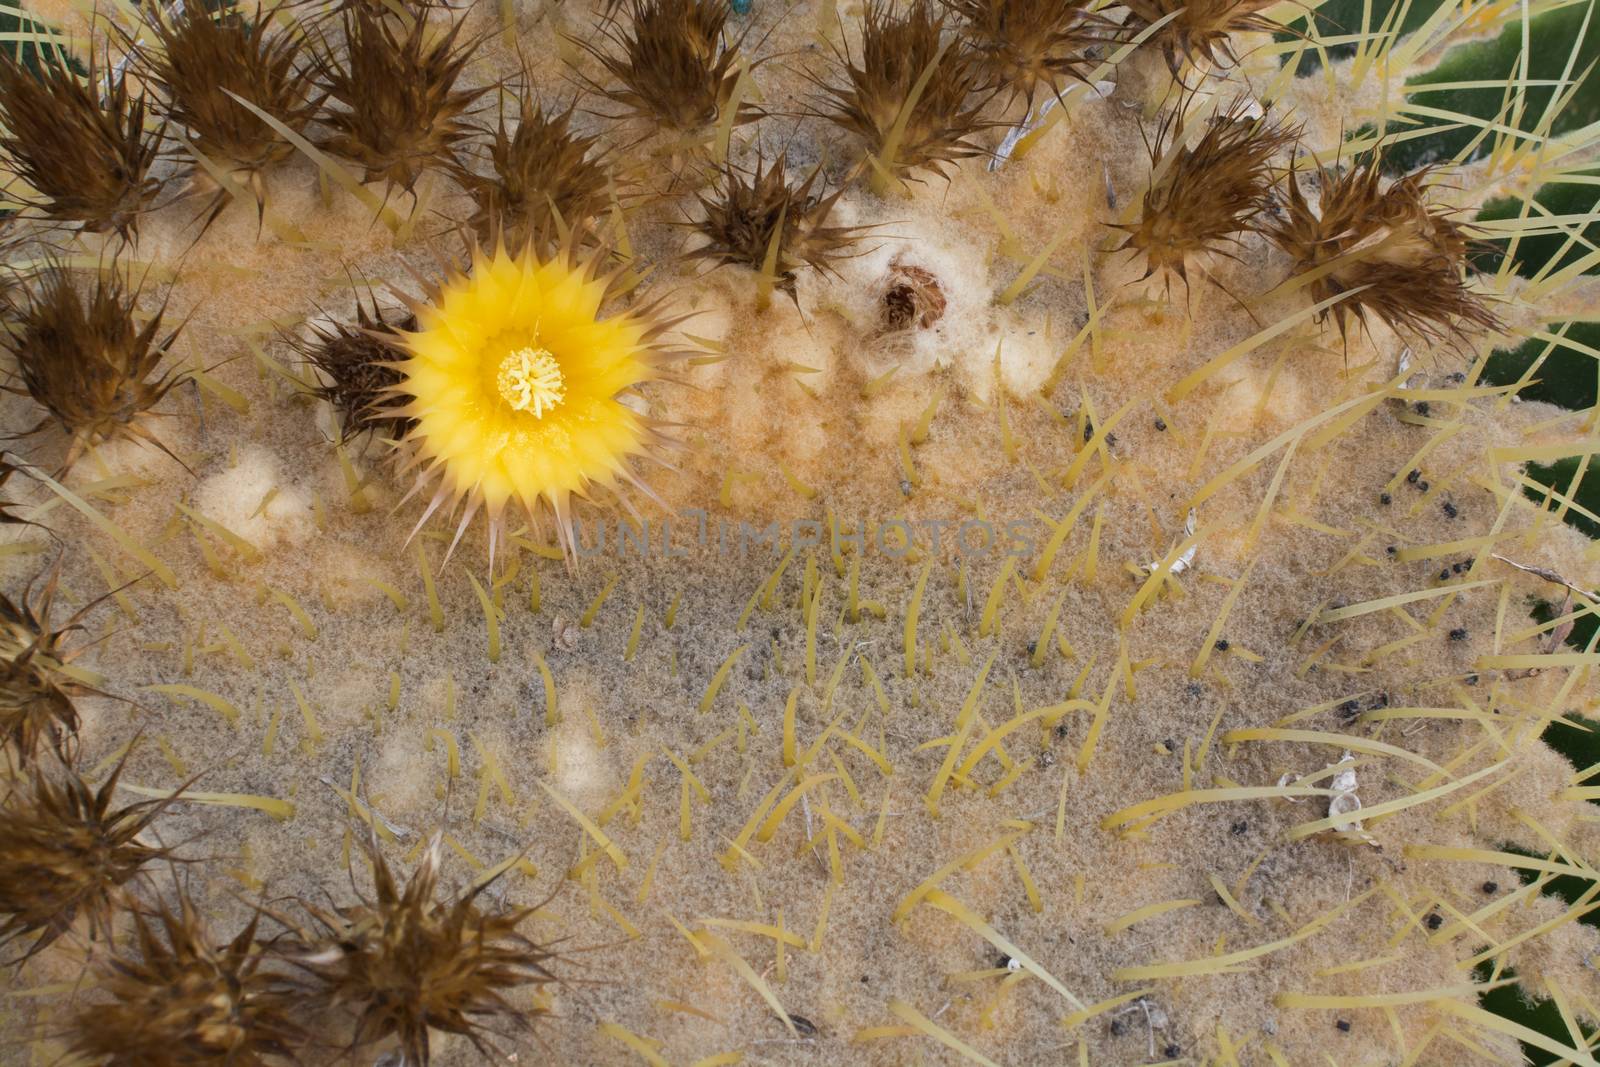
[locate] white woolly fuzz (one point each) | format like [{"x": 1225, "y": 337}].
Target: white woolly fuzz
[{"x": 234, "y": 496}]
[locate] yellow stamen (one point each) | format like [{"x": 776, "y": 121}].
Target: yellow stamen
[{"x": 530, "y": 379}]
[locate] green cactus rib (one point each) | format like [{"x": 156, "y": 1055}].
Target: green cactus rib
[
  {"x": 1565, "y": 374},
  {"x": 15, "y": 25},
  {"x": 1568, "y": 200},
  {"x": 1342, "y": 18},
  {"x": 1559, "y": 477},
  {"x": 1560, "y": 44}
]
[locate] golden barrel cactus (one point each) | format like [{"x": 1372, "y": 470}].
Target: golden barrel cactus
[{"x": 1133, "y": 600}]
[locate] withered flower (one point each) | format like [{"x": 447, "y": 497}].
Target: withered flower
[
  {"x": 80, "y": 142},
  {"x": 400, "y": 110},
  {"x": 915, "y": 94},
  {"x": 7, "y": 469},
  {"x": 407, "y": 963},
  {"x": 84, "y": 357},
  {"x": 909, "y": 298},
  {"x": 546, "y": 178},
  {"x": 37, "y": 686},
  {"x": 1023, "y": 46},
  {"x": 203, "y": 57},
  {"x": 673, "y": 65},
  {"x": 761, "y": 221},
  {"x": 1202, "y": 28},
  {"x": 181, "y": 1000},
  {"x": 1400, "y": 258},
  {"x": 1208, "y": 193},
  {"x": 354, "y": 366},
  {"x": 66, "y": 853}
]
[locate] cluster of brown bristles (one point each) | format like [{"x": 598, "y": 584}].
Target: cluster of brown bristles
[
  {"x": 1376, "y": 249},
  {"x": 79, "y": 869},
  {"x": 382, "y": 971},
  {"x": 386, "y": 88},
  {"x": 89, "y": 876},
  {"x": 87, "y": 357},
  {"x": 931, "y": 77}
]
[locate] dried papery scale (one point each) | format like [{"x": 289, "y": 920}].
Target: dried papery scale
[
  {"x": 1209, "y": 192},
  {"x": 176, "y": 997},
  {"x": 201, "y": 61},
  {"x": 545, "y": 178},
  {"x": 762, "y": 221},
  {"x": 915, "y": 95},
  {"x": 354, "y": 366},
  {"x": 1400, "y": 258},
  {"x": 38, "y": 685},
  {"x": 86, "y": 355},
  {"x": 672, "y": 66},
  {"x": 67, "y": 852},
  {"x": 82, "y": 143},
  {"x": 522, "y": 393},
  {"x": 399, "y": 108},
  {"x": 408, "y": 962},
  {"x": 1202, "y": 30},
  {"x": 1025, "y": 47}
]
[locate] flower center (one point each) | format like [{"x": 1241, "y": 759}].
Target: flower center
[{"x": 530, "y": 379}]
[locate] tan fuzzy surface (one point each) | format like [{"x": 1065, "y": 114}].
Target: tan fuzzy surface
[{"x": 808, "y": 410}]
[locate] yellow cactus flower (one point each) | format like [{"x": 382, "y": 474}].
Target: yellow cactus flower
[{"x": 517, "y": 385}]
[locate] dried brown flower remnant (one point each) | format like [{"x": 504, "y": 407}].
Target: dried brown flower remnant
[
  {"x": 407, "y": 963},
  {"x": 1201, "y": 29},
  {"x": 80, "y": 143},
  {"x": 673, "y": 65},
  {"x": 760, "y": 221},
  {"x": 1398, "y": 257},
  {"x": 911, "y": 298},
  {"x": 1208, "y": 193},
  {"x": 84, "y": 357},
  {"x": 36, "y": 687},
  {"x": 914, "y": 96},
  {"x": 66, "y": 853},
  {"x": 7, "y": 469},
  {"x": 399, "y": 108},
  {"x": 354, "y": 365},
  {"x": 1023, "y": 46},
  {"x": 204, "y": 57},
  {"x": 546, "y": 179},
  {"x": 180, "y": 1000}
]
